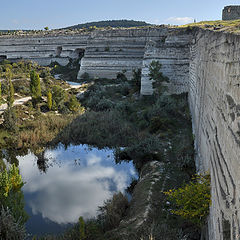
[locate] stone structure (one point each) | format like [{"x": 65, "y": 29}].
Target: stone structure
[
  {"x": 231, "y": 13},
  {"x": 202, "y": 62}
]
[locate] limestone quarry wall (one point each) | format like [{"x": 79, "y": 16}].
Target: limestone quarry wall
[
  {"x": 172, "y": 51},
  {"x": 43, "y": 49},
  {"x": 206, "y": 64},
  {"x": 214, "y": 96},
  {"x": 111, "y": 51}
]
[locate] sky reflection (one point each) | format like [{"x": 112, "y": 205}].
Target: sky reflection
[{"x": 75, "y": 184}]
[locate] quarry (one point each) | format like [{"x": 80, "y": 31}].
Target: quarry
[{"x": 203, "y": 62}]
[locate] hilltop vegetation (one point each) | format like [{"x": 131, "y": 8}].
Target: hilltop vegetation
[
  {"x": 232, "y": 26},
  {"x": 110, "y": 23}
]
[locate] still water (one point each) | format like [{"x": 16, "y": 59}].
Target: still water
[{"x": 73, "y": 182}]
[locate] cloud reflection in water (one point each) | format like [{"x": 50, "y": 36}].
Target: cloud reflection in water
[{"x": 68, "y": 191}]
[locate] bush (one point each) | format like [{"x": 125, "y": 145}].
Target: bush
[
  {"x": 104, "y": 129},
  {"x": 49, "y": 100},
  {"x": 58, "y": 97},
  {"x": 154, "y": 71},
  {"x": 11, "y": 195},
  {"x": 136, "y": 80},
  {"x": 113, "y": 211},
  {"x": 104, "y": 104},
  {"x": 85, "y": 77},
  {"x": 121, "y": 76},
  {"x": 160, "y": 123},
  {"x": 73, "y": 104},
  {"x": 192, "y": 201},
  {"x": 124, "y": 88},
  {"x": 148, "y": 149},
  {"x": 10, "y": 120},
  {"x": 35, "y": 87},
  {"x": 10, "y": 229}
]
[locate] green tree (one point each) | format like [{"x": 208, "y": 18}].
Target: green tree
[
  {"x": 10, "y": 97},
  {"x": 156, "y": 75},
  {"x": 58, "y": 96},
  {"x": 0, "y": 92},
  {"x": 81, "y": 228},
  {"x": 46, "y": 28},
  {"x": 49, "y": 100},
  {"x": 35, "y": 87},
  {"x": 136, "y": 80},
  {"x": 154, "y": 71},
  {"x": 9, "y": 115},
  {"x": 11, "y": 195},
  {"x": 73, "y": 104},
  {"x": 10, "y": 120}
]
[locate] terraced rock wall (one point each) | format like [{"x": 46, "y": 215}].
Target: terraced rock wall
[
  {"x": 43, "y": 49},
  {"x": 112, "y": 51},
  {"x": 214, "y": 96},
  {"x": 204, "y": 63}
]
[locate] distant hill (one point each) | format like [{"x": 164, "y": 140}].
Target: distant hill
[{"x": 110, "y": 23}]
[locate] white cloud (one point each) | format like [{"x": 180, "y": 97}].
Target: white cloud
[
  {"x": 67, "y": 192},
  {"x": 179, "y": 20}
]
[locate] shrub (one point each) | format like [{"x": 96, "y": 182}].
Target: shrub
[
  {"x": 124, "y": 88},
  {"x": 73, "y": 104},
  {"x": 136, "y": 80},
  {"x": 81, "y": 223},
  {"x": 49, "y": 100},
  {"x": 58, "y": 96},
  {"x": 10, "y": 229},
  {"x": 10, "y": 120},
  {"x": 154, "y": 71},
  {"x": 113, "y": 210},
  {"x": 11, "y": 195},
  {"x": 192, "y": 200},
  {"x": 104, "y": 129},
  {"x": 35, "y": 87},
  {"x": 121, "y": 76},
  {"x": 148, "y": 149},
  {"x": 85, "y": 77},
  {"x": 10, "y": 97},
  {"x": 160, "y": 123},
  {"x": 104, "y": 104}
]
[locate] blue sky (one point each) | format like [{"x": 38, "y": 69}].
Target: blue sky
[{"x": 36, "y": 14}]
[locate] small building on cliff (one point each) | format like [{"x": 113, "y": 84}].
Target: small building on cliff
[{"x": 231, "y": 12}]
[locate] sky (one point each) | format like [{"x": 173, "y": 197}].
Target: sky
[{"x": 37, "y": 14}]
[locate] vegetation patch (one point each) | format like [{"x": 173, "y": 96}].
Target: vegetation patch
[{"x": 192, "y": 201}]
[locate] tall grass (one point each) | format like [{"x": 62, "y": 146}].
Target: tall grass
[{"x": 38, "y": 132}]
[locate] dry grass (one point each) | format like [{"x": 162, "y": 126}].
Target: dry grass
[
  {"x": 232, "y": 26},
  {"x": 38, "y": 132}
]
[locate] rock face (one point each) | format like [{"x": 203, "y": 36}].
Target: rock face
[
  {"x": 43, "y": 50},
  {"x": 214, "y": 97},
  {"x": 231, "y": 13},
  {"x": 172, "y": 51},
  {"x": 204, "y": 63},
  {"x": 112, "y": 51}
]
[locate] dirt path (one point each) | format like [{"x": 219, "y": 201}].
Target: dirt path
[{"x": 20, "y": 101}]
